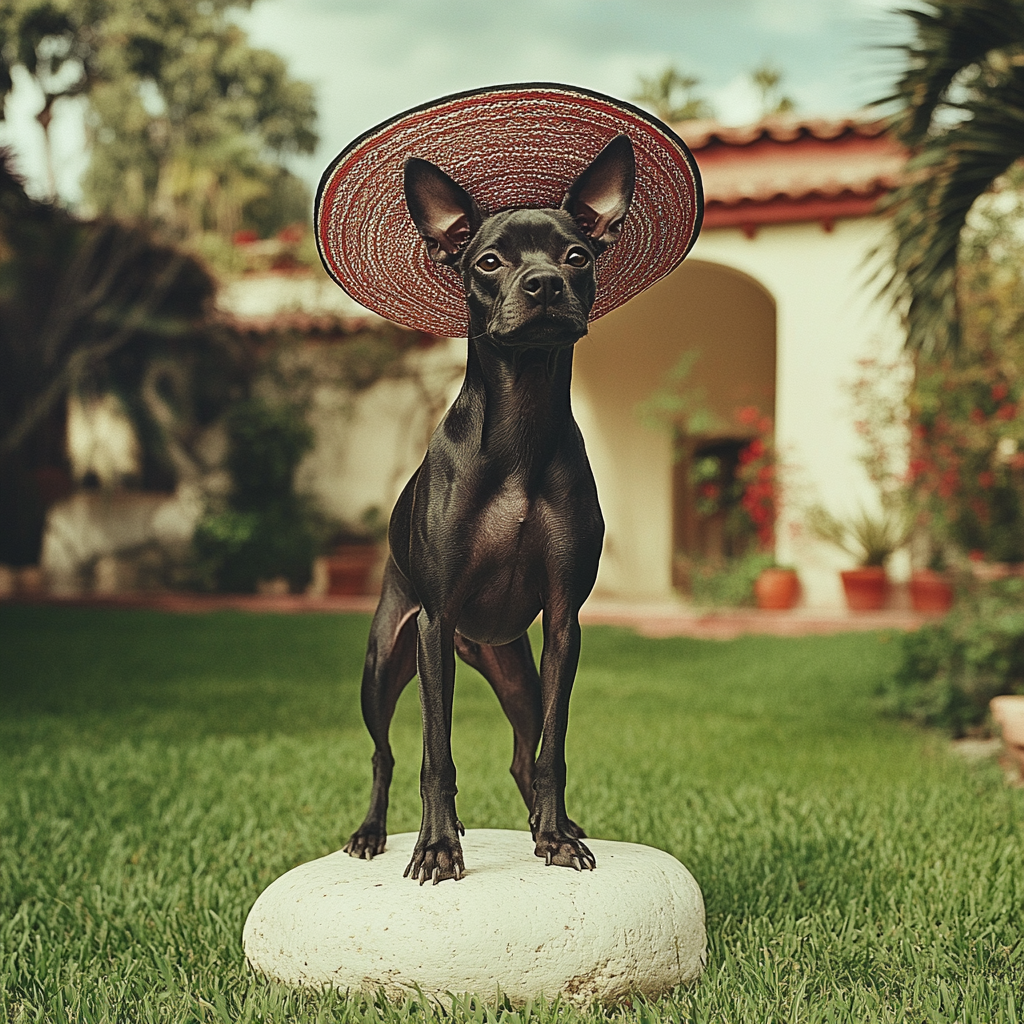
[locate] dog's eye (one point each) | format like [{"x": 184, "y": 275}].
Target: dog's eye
[
  {"x": 488, "y": 262},
  {"x": 577, "y": 258}
]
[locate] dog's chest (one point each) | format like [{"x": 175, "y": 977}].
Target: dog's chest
[
  {"x": 505, "y": 533},
  {"x": 520, "y": 538}
]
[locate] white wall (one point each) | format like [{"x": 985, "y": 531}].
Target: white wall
[
  {"x": 367, "y": 446},
  {"x": 829, "y": 315},
  {"x": 727, "y": 320}
]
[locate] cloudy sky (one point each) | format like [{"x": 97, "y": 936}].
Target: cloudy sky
[{"x": 369, "y": 59}]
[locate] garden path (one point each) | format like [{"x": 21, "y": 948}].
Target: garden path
[{"x": 653, "y": 620}]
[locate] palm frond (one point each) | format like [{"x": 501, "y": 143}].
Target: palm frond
[
  {"x": 960, "y": 145},
  {"x": 951, "y": 36}
]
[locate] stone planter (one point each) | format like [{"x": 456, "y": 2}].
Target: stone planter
[
  {"x": 866, "y": 588},
  {"x": 777, "y": 589},
  {"x": 1008, "y": 712},
  {"x": 349, "y": 569},
  {"x": 930, "y": 591}
]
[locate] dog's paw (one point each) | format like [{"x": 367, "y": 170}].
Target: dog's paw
[
  {"x": 564, "y": 850},
  {"x": 436, "y": 861},
  {"x": 569, "y": 827},
  {"x": 366, "y": 843}
]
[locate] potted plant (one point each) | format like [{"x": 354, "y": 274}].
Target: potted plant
[
  {"x": 870, "y": 539},
  {"x": 355, "y": 554},
  {"x": 930, "y": 588},
  {"x": 777, "y": 588}
]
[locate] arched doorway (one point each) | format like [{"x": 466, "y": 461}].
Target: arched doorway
[{"x": 729, "y": 320}]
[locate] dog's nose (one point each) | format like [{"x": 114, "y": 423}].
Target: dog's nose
[{"x": 543, "y": 288}]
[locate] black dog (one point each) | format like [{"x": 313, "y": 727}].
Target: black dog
[{"x": 501, "y": 520}]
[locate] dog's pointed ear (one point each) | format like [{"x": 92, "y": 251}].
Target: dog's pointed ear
[
  {"x": 599, "y": 198},
  {"x": 445, "y": 214}
]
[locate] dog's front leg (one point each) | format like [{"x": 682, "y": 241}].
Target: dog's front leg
[
  {"x": 438, "y": 852},
  {"x": 557, "y": 837}
]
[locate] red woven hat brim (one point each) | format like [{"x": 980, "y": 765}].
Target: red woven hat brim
[{"x": 508, "y": 146}]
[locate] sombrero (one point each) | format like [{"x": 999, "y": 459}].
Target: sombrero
[{"x": 509, "y": 146}]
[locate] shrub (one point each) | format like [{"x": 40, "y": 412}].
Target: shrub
[
  {"x": 266, "y": 530},
  {"x": 950, "y": 670},
  {"x": 730, "y": 585}
]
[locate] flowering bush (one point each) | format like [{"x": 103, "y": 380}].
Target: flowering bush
[
  {"x": 882, "y": 423},
  {"x": 745, "y": 491},
  {"x": 967, "y": 445},
  {"x": 879, "y": 395},
  {"x": 757, "y": 477},
  {"x": 966, "y": 463}
]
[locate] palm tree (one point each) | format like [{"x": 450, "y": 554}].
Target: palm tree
[
  {"x": 767, "y": 80},
  {"x": 961, "y": 115},
  {"x": 671, "y": 96}
]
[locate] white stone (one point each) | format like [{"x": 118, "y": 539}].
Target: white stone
[{"x": 511, "y": 925}]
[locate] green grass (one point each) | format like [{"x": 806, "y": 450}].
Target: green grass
[{"x": 158, "y": 771}]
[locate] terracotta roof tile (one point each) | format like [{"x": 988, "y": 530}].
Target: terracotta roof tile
[
  {"x": 701, "y": 134},
  {"x": 792, "y": 159}
]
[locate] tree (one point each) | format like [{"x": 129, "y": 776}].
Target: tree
[
  {"x": 961, "y": 113},
  {"x": 77, "y": 299},
  {"x": 671, "y": 96},
  {"x": 767, "y": 79},
  {"x": 188, "y": 123},
  {"x": 190, "y": 129},
  {"x": 54, "y": 42}
]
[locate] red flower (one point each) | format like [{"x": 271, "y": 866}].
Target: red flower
[
  {"x": 1007, "y": 411},
  {"x": 748, "y": 415},
  {"x": 986, "y": 478},
  {"x": 977, "y": 416},
  {"x": 948, "y": 483},
  {"x": 999, "y": 392}
]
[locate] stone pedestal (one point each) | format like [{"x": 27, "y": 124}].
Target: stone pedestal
[{"x": 511, "y": 925}]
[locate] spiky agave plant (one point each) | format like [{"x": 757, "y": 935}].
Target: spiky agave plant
[
  {"x": 867, "y": 537},
  {"x": 961, "y": 114}
]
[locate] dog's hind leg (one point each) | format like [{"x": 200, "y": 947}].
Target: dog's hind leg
[
  {"x": 390, "y": 664},
  {"x": 512, "y": 673}
]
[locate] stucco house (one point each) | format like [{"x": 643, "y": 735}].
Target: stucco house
[{"x": 775, "y": 297}]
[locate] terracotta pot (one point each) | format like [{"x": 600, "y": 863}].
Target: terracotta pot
[
  {"x": 777, "y": 589},
  {"x": 989, "y": 572},
  {"x": 930, "y": 591},
  {"x": 1008, "y": 712},
  {"x": 865, "y": 588},
  {"x": 349, "y": 568}
]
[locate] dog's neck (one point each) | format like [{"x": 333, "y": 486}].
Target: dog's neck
[{"x": 520, "y": 399}]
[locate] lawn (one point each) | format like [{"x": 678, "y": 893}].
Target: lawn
[{"x": 158, "y": 771}]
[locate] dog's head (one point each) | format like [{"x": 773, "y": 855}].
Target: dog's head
[{"x": 528, "y": 274}]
